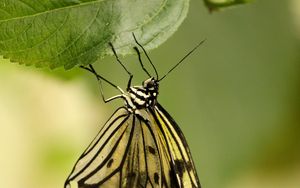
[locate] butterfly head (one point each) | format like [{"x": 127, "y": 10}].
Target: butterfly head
[{"x": 151, "y": 84}]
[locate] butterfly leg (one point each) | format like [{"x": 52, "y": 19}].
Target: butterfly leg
[
  {"x": 100, "y": 78},
  {"x": 140, "y": 60},
  {"x": 145, "y": 52},
  {"x": 120, "y": 62}
]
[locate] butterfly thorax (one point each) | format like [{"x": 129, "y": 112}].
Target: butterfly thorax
[{"x": 144, "y": 96}]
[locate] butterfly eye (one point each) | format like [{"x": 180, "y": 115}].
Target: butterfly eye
[{"x": 149, "y": 83}]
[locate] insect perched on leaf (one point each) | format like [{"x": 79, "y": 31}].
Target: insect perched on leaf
[{"x": 140, "y": 146}]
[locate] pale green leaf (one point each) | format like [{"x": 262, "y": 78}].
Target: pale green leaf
[{"x": 53, "y": 33}]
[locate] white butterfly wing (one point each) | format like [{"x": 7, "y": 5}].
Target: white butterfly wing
[
  {"x": 145, "y": 150},
  {"x": 182, "y": 165}
]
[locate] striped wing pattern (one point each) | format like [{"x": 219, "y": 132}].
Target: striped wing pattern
[
  {"x": 145, "y": 150},
  {"x": 182, "y": 164}
]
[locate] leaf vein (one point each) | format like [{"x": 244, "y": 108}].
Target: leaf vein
[
  {"x": 51, "y": 11},
  {"x": 71, "y": 44},
  {"x": 40, "y": 42},
  {"x": 27, "y": 5},
  {"x": 79, "y": 36}
]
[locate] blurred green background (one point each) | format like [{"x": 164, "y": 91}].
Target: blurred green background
[{"x": 237, "y": 99}]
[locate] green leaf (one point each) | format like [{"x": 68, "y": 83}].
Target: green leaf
[
  {"x": 218, "y": 4},
  {"x": 54, "y": 33}
]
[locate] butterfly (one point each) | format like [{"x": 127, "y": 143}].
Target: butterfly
[{"x": 140, "y": 146}]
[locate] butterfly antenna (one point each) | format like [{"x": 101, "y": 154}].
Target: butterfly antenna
[
  {"x": 146, "y": 56},
  {"x": 182, "y": 60}
]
